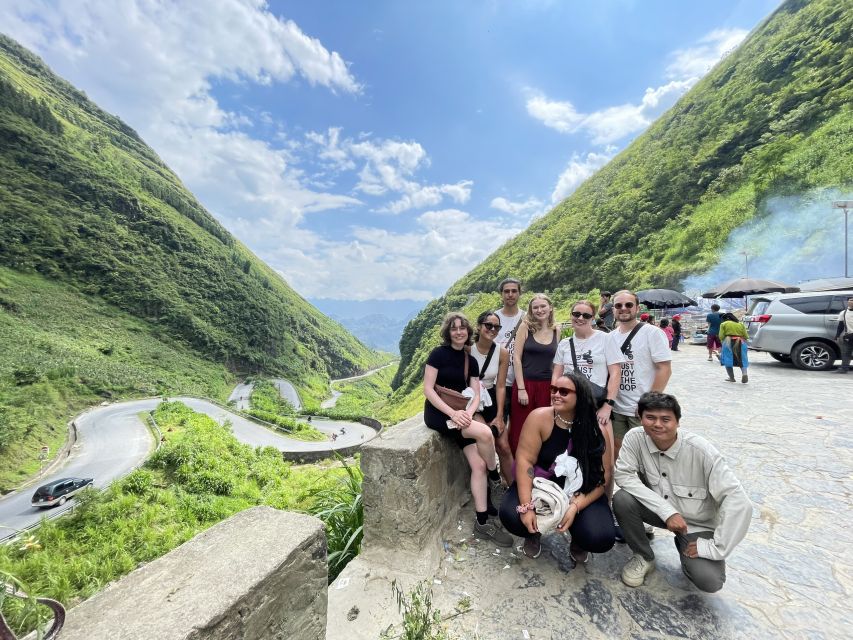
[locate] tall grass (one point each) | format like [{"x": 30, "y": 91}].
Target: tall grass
[{"x": 341, "y": 508}]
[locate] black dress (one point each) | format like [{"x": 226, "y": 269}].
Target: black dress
[{"x": 450, "y": 364}]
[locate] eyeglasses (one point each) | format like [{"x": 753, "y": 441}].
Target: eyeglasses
[
  {"x": 626, "y": 305},
  {"x": 492, "y": 327},
  {"x": 563, "y": 391},
  {"x": 578, "y": 314}
]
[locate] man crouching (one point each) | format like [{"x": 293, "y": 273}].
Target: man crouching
[{"x": 677, "y": 480}]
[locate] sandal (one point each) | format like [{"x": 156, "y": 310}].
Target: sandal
[{"x": 532, "y": 546}]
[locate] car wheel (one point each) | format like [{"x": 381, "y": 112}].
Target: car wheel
[
  {"x": 781, "y": 357},
  {"x": 813, "y": 355},
  {"x": 62, "y": 500}
]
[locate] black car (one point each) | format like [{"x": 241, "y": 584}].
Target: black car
[{"x": 59, "y": 491}]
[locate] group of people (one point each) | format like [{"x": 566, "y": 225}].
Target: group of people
[
  {"x": 535, "y": 401},
  {"x": 727, "y": 341}
]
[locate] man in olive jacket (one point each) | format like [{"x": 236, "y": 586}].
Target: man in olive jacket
[{"x": 677, "y": 480}]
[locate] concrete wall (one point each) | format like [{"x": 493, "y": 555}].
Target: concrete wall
[{"x": 261, "y": 574}]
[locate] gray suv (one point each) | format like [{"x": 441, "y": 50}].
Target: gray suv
[{"x": 797, "y": 327}]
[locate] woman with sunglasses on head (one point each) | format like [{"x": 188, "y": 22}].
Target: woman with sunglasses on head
[
  {"x": 568, "y": 426},
  {"x": 445, "y": 367},
  {"x": 591, "y": 354},
  {"x": 535, "y": 345},
  {"x": 493, "y": 362}
]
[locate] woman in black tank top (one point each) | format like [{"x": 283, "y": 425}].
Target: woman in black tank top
[
  {"x": 535, "y": 346},
  {"x": 568, "y": 425}
]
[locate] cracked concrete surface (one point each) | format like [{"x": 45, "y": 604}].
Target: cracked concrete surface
[{"x": 787, "y": 436}]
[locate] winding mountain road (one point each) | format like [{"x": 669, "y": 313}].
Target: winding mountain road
[{"x": 113, "y": 440}]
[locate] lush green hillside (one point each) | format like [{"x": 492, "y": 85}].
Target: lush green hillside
[
  {"x": 774, "y": 118},
  {"x": 64, "y": 351},
  {"x": 135, "y": 288},
  {"x": 84, "y": 200}
]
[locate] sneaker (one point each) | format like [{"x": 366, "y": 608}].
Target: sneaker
[
  {"x": 493, "y": 532},
  {"x": 744, "y": 378},
  {"x": 532, "y": 546},
  {"x": 650, "y": 531},
  {"x": 580, "y": 556},
  {"x": 840, "y": 371},
  {"x": 729, "y": 379},
  {"x": 635, "y": 571},
  {"x": 710, "y": 358}
]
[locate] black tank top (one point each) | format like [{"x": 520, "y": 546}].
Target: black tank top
[
  {"x": 556, "y": 444},
  {"x": 536, "y": 360}
]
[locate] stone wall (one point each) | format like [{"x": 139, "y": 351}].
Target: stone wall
[
  {"x": 260, "y": 575},
  {"x": 414, "y": 482}
]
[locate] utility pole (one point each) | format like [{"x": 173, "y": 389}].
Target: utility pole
[
  {"x": 844, "y": 205},
  {"x": 746, "y": 261}
]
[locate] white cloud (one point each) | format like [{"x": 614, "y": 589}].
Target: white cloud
[
  {"x": 528, "y": 207},
  {"x": 388, "y": 169},
  {"x": 611, "y": 124},
  {"x": 695, "y": 62},
  {"x": 578, "y": 170},
  {"x": 381, "y": 264}
]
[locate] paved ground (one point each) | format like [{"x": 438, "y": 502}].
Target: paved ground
[{"x": 787, "y": 435}]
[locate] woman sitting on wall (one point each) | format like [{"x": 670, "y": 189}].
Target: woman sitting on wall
[
  {"x": 445, "y": 368},
  {"x": 535, "y": 345},
  {"x": 569, "y": 426}
]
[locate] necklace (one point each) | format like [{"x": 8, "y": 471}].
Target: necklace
[{"x": 566, "y": 423}]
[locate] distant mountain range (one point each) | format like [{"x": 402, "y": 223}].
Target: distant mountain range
[{"x": 377, "y": 323}]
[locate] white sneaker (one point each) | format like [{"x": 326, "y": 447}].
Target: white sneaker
[
  {"x": 650, "y": 531},
  {"x": 636, "y": 569}
]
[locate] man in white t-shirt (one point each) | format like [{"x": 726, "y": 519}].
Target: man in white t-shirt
[
  {"x": 510, "y": 316},
  {"x": 646, "y": 363}
]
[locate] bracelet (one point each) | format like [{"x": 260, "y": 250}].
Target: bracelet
[{"x": 524, "y": 508}]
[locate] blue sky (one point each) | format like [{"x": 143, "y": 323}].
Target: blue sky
[{"x": 380, "y": 150}]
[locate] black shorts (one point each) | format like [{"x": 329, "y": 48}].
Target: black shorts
[{"x": 490, "y": 413}]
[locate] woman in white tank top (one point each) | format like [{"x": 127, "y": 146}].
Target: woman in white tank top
[{"x": 493, "y": 380}]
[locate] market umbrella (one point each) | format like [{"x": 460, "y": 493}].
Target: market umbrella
[
  {"x": 742, "y": 287},
  {"x": 663, "y": 298}
]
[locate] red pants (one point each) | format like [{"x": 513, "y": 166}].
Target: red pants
[{"x": 538, "y": 395}]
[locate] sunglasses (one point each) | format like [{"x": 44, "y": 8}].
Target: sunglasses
[
  {"x": 563, "y": 391},
  {"x": 492, "y": 327},
  {"x": 626, "y": 305},
  {"x": 578, "y": 314}
]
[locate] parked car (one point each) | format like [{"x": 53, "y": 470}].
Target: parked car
[
  {"x": 700, "y": 336},
  {"x": 59, "y": 491},
  {"x": 797, "y": 327}
]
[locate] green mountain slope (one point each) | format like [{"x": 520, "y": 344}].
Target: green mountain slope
[
  {"x": 773, "y": 119},
  {"x": 103, "y": 229},
  {"x": 84, "y": 200}
]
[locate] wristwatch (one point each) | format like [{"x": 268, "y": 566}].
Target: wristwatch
[{"x": 611, "y": 402}]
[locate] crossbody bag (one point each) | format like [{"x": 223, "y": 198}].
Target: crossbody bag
[{"x": 451, "y": 397}]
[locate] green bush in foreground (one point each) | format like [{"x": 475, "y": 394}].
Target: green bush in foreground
[{"x": 199, "y": 476}]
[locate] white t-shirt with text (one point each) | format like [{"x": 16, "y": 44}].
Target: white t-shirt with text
[
  {"x": 648, "y": 346},
  {"x": 507, "y": 339},
  {"x": 593, "y": 353}
]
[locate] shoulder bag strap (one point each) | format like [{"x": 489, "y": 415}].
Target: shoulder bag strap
[
  {"x": 515, "y": 330},
  {"x": 630, "y": 337},
  {"x": 465, "y": 375},
  {"x": 488, "y": 360},
  {"x": 574, "y": 356}
]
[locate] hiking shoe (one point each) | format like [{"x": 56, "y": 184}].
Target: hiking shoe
[
  {"x": 532, "y": 546},
  {"x": 636, "y": 570},
  {"x": 744, "y": 378},
  {"x": 493, "y": 532}
]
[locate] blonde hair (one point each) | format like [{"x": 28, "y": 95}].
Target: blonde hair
[{"x": 530, "y": 321}]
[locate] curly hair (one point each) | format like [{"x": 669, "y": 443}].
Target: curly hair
[
  {"x": 587, "y": 440},
  {"x": 448, "y": 321}
]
